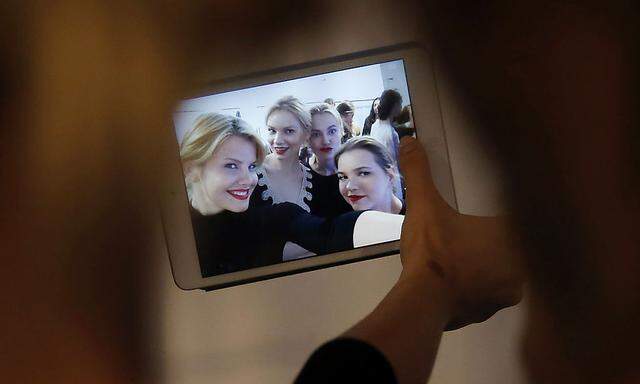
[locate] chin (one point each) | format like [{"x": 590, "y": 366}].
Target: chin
[
  {"x": 361, "y": 207},
  {"x": 237, "y": 208}
]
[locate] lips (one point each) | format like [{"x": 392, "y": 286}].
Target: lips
[
  {"x": 280, "y": 150},
  {"x": 355, "y": 198},
  {"x": 326, "y": 149},
  {"x": 239, "y": 194}
]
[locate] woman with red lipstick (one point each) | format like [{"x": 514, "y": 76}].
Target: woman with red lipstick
[
  {"x": 220, "y": 156},
  {"x": 282, "y": 178},
  {"x": 324, "y": 141},
  {"x": 368, "y": 176}
]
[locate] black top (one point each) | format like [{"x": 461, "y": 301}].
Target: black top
[
  {"x": 366, "y": 128},
  {"x": 326, "y": 200},
  {"x": 229, "y": 242},
  {"x": 346, "y": 361}
]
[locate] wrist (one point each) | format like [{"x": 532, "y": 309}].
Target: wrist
[{"x": 432, "y": 293}]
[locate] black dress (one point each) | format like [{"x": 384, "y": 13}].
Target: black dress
[
  {"x": 327, "y": 200},
  {"x": 322, "y": 195},
  {"x": 228, "y": 241}
]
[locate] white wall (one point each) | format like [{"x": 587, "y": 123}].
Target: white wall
[{"x": 359, "y": 85}]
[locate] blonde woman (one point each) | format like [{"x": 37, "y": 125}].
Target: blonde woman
[
  {"x": 220, "y": 155},
  {"x": 282, "y": 178},
  {"x": 326, "y": 133}
]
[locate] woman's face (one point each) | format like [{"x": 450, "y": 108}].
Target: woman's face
[
  {"x": 285, "y": 134},
  {"x": 227, "y": 179},
  {"x": 325, "y": 136},
  {"x": 376, "y": 104},
  {"x": 363, "y": 183}
]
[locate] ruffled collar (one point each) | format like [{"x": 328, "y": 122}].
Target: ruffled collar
[{"x": 304, "y": 194}]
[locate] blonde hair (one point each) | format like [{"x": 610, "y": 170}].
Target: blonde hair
[
  {"x": 292, "y": 105},
  {"x": 209, "y": 131},
  {"x": 326, "y": 108}
]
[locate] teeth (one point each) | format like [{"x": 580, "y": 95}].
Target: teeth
[{"x": 239, "y": 193}]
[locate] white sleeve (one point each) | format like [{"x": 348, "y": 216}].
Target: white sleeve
[{"x": 374, "y": 227}]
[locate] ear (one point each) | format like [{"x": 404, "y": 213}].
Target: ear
[
  {"x": 192, "y": 172},
  {"x": 392, "y": 174}
]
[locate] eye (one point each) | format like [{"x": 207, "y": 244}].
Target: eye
[
  {"x": 341, "y": 177},
  {"x": 290, "y": 131},
  {"x": 364, "y": 173},
  {"x": 252, "y": 167},
  {"x": 315, "y": 134},
  {"x": 333, "y": 131},
  {"x": 271, "y": 131},
  {"x": 231, "y": 165}
]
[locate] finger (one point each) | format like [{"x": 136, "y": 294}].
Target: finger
[{"x": 423, "y": 197}]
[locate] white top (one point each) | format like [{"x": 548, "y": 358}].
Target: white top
[{"x": 384, "y": 132}]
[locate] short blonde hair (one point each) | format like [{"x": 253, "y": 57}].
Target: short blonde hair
[
  {"x": 294, "y": 106},
  {"x": 209, "y": 131},
  {"x": 326, "y": 108}
]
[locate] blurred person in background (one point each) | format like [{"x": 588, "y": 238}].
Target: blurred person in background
[
  {"x": 383, "y": 130},
  {"x": 372, "y": 117},
  {"x": 403, "y": 123},
  {"x": 346, "y": 110}
]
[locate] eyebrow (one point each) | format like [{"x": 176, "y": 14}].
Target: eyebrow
[
  {"x": 232, "y": 159},
  {"x": 287, "y": 127},
  {"x": 361, "y": 168}
]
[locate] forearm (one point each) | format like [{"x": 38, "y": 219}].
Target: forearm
[{"x": 407, "y": 325}]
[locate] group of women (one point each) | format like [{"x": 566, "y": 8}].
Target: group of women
[{"x": 250, "y": 201}]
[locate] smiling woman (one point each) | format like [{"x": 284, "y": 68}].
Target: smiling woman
[
  {"x": 282, "y": 177},
  {"x": 220, "y": 155},
  {"x": 368, "y": 176}
]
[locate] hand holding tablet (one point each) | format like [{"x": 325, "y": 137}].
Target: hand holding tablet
[{"x": 265, "y": 165}]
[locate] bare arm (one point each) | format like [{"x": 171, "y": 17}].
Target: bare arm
[
  {"x": 407, "y": 325},
  {"x": 457, "y": 270}
]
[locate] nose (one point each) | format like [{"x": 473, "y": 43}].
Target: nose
[
  {"x": 247, "y": 178},
  {"x": 351, "y": 185},
  {"x": 278, "y": 139}
]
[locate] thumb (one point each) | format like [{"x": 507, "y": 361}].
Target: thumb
[{"x": 416, "y": 170}]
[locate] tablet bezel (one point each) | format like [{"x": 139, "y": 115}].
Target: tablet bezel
[{"x": 427, "y": 115}]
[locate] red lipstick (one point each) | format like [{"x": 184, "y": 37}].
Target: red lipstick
[
  {"x": 355, "y": 198},
  {"x": 239, "y": 194}
]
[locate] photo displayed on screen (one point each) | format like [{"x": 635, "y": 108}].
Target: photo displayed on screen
[{"x": 285, "y": 171}]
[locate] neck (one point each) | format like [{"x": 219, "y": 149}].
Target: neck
[
  {"x": 391, "y": 205},
  {"x": 324, "y": 167},
  {"x": 396, "y": 205},
  {"x": 286, "y": 164},
  {"x": 200, "y": 202}
]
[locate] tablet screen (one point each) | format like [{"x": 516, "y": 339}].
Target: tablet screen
[{"x": 284, "y": 171}]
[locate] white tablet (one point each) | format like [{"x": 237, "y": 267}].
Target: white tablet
[{"x": 295, "y": 169}]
